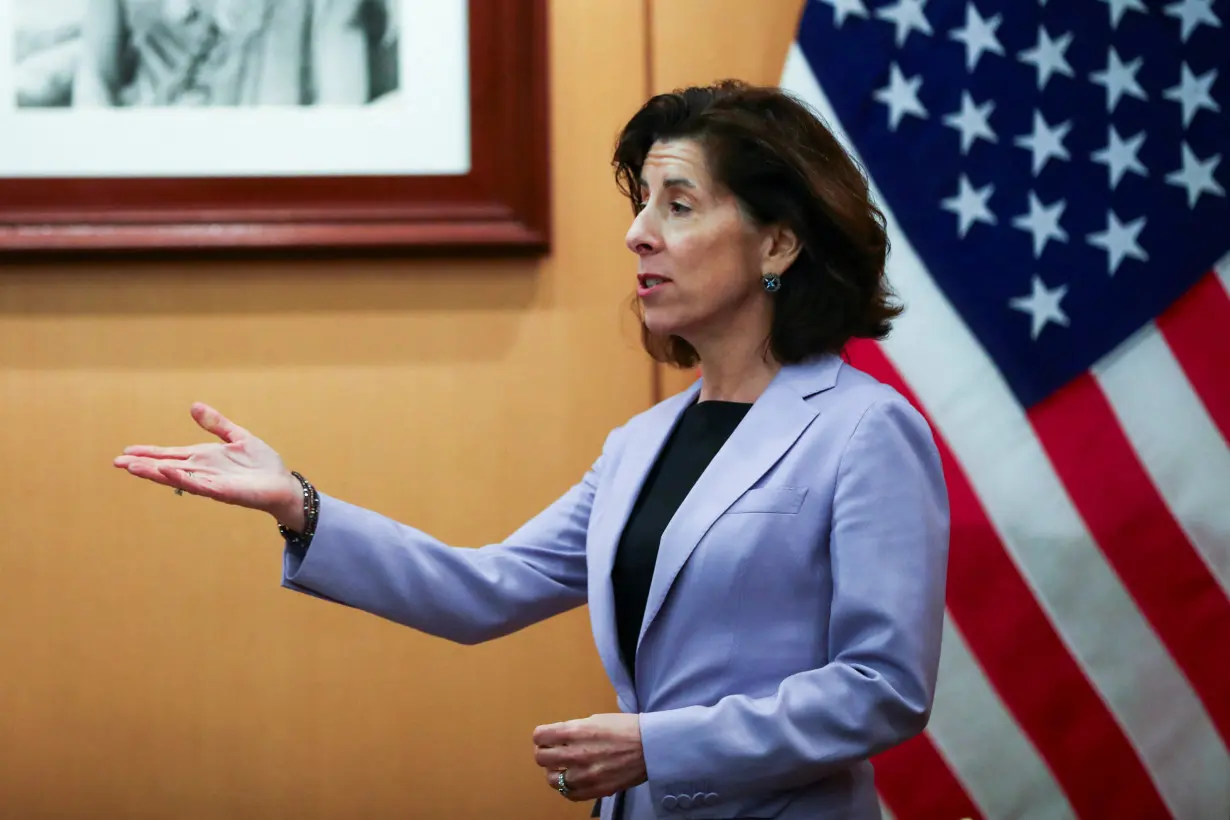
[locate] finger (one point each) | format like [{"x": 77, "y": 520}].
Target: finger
[
  {"x": 556, "y": 757},
  {"x": 191, "y": 481},
  {"x": 214, "y": 422},
  {"x": 554, "y": 734},
  {"x": 579, "y": 787},
  {"x": 143, "y": 468},
  {"x": 154, "y": 451}
]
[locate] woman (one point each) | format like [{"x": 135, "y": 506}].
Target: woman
[{"x": 763, "y": 555}]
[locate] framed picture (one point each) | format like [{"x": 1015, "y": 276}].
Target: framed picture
[{"x": 131, "y": 125}]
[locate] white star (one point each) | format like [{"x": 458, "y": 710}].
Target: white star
[
  {"x": 1191, "y": 13},
  {"x": 1196, "y": 176},
  {"x": 901, "y": 96},
  {"x": 1042, "y": 305},
  {"x": 1119, "y": 240},
  {"x": 978, "y": 36},
  {"x": 907, "y": 16},
  {"x": 844, "y": 8},
  {"x": 1193, "y": 93},
  {"x": 1118, "y": 7},
  {"x": 1120, "y": 156},
  {"x": 970, "y": 205},
  {"x": 1043, "y": 222},
  {"x": 972, "y": 121},
  {"x": 1119, "y": 78},
  {"x": 1045, "y": 142},
  {"x": 1048, "y": 56}
]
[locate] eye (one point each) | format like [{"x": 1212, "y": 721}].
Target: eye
[{"x": 679, "y": 208}]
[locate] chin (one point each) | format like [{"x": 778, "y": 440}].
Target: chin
[{"x": 661, "y": 323}]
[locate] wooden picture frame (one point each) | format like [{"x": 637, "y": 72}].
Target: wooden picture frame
[{"x": 500, "y": 204}]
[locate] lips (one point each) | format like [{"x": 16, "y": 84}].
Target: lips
[{"x": 650, "y": 280}]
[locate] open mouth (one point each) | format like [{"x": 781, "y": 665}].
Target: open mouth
[{"x": 650, "y": 282}]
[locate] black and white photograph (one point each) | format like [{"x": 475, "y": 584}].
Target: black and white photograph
[
  {"x": 157, "y": 53},
  {"x": 222, "y": 88}
]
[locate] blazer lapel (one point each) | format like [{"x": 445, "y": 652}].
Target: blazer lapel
[
  {"x": 643, "y": 440},
  {"x": 772, "y": 425}
]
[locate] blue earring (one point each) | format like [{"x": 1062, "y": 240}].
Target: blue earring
[{"x": 772, "y": 282}]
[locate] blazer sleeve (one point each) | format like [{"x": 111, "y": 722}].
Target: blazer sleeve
[
  {"x": 888, "y": 552},
  {"x": 364, "y": 560}
]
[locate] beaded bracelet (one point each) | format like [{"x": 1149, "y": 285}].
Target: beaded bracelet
[{"x": 311, "y": 511}]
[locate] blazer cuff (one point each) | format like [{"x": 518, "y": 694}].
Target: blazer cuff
[{"x": 673, "y": 763}]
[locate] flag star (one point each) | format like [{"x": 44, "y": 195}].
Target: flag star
[
  {"x": 844, "y": 8},
  {"x": 978, "y": 36},
  {"x": 1119, "y": 240},
  {"x": 1048, "y": 56},
  {"x": 1119, "y": 78},
  {"x": 1042, "y": 222},
  {"x": 972, "y": 121},
  {"x": 1120, "y": 156},
  {"x": 1196, "y": 176},
  {"x": 1042, "y": 305},
  {"x": 907, "y": 16},
  {"x": 1045, "y": 142},
  {"x": 1193, "y": 93},
  {"x": 901, "y": 96},
  {"x": 970, "y": 205},
  {"x": 1119, "y": 7},
  {"x": 1191, "y": 13}
]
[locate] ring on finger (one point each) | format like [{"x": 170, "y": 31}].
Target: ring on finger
[{"x": 561, "y": 782}]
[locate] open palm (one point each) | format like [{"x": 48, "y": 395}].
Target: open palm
[{"x": 240, "y": 469}]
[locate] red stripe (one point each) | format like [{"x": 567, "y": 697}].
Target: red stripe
[
  {"x": 1139, "y": 536},
  {"x": 1040, "y": 683},
  {"x": 914, "y": 782},
  {"x": 1195, "y": 328}
]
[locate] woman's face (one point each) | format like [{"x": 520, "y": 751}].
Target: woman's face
[{"x": 700, "y": 257}]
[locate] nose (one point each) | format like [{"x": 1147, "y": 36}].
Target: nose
[{"x": 643, "y": 237}]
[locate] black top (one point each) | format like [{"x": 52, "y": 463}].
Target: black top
[{"x": 702, "y": 430}]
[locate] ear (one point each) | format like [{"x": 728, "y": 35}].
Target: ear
[{"x": 779, "y": 249}]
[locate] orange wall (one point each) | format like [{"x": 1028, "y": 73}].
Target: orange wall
[{"x": 149, "y": 664}]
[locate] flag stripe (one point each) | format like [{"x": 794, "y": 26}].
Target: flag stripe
[
  {"x": 1192, "y": 328},
  {"x": 971, "y": 406},
  {"x": 1063, "y": 717},
  {"x": 1185, "y": 455},
  {"x": 981, "y": 741},
  {"x": 914, "y": 774},
  {"x": 1137, "y": 533}
]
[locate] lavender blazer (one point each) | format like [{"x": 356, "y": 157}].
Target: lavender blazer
[{"x": 793, "y": 623}]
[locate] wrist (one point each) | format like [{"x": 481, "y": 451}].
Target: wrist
[{"x": 291, "y": 512}]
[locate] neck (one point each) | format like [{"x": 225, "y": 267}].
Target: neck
[
  {"x": 735, "y": 363},
  {"x": 741, "y": 374}
]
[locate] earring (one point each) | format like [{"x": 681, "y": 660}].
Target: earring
[{"x": 771, "y": 281}]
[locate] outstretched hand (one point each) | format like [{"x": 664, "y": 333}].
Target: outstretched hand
[
  {"x": 240, "y": 469},
  {"x": 600, "y": 755}
]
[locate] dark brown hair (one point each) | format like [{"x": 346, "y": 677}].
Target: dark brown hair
[{"x": 784, "y": 167}]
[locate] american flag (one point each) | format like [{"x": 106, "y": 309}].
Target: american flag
[{"x": 1055, "y": 179}]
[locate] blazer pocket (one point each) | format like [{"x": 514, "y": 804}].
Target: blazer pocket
[{"x": 785, "y": 500}]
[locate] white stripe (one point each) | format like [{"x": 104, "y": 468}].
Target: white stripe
[
  {"x": 972, "y": 407},
  {"x": 885, "y": 814},
  {"x": 982, "y": 742},
  {"x": 1175, "y": 440},
  {"x": 1223, "y": 272}
]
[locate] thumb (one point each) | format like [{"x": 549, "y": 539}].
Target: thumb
[{"x": 211, "y": 420}]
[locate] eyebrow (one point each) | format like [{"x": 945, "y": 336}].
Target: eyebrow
[{"x": 673, "y": 182}]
